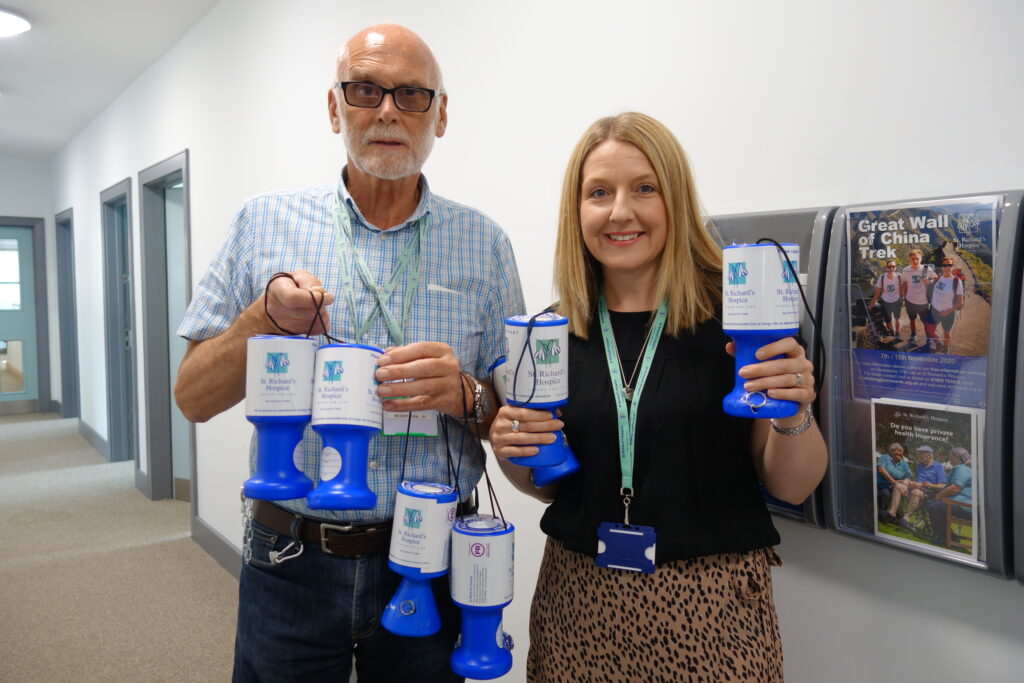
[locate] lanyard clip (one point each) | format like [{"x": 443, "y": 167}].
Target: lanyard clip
[{"x": 627, "y": 497}]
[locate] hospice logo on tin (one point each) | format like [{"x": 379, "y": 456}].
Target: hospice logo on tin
[
  {"x": 738, "y": 273},
  {"x": 413, "y": 518},
  {"x": 333, "y": 370},
  {"x": 277, "y": 363},
  {"x": 548, "y": 351},
  {"x": 788, "y": 275}
]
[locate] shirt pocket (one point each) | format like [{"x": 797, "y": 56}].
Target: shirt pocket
[{"x": 452, "y": 315}]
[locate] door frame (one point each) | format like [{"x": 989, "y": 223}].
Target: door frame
[
  {"x": 67, "y": 314},
  {"x": 158, "y": 482},
  {"x": 123, "y": 441},
  {"x": 43, "y": 404}
]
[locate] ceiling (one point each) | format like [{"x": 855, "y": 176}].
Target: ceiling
[{"x": 79, "y": 55}]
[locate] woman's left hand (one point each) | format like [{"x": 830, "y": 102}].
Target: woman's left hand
[{"x": 789, "y": 378}]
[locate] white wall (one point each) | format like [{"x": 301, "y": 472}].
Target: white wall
[
  {"x": 25, "y": 185},
  {"x": 781, "y": 105}
]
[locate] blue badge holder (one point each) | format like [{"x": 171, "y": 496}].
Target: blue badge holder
[{"x": 626, "y": 547}]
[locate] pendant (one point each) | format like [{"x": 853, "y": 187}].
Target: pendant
[{"x": 628, "y": 391}]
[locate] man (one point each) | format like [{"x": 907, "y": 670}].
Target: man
[
  {"x": 947, "y": 299},
  {"x": 889, "y": 287},
  {"x": 307, "y": 605},
  {"x": 915, "y": 280},
  {"x": 929, "y": 478}
]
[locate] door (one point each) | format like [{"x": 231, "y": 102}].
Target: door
[
  {"x": 164, "y": 230},
  {"x": 19, "y": 376},
  {"x": 68, "y": 314},
  {"x": 120, "y": 326}
]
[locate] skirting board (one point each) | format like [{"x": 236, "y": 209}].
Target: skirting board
[
  {"x": 218, "y": 547},
  {"x": 20, "y": 407},
  {"x": 94, "y": 439}
]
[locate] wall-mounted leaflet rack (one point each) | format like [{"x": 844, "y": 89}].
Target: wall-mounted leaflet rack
[{"x": 922, "y": 347}]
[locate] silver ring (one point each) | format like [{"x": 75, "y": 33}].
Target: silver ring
[
  {"x": 799, "y": 380},
  {"x": 515, "y": 425}
]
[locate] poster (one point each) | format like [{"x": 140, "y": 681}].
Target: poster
[
  {"x": 926, "y": 492},
  {"x": 920, "y": 299}
]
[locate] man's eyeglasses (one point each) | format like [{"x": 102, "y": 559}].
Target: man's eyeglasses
[
  {"x": 370, "y": 95},
  {"x": 889, "y": 267},
  {"x": 947, "y": 265}
]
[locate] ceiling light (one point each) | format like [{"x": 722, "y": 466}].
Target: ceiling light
[{"x": 11, "y": 24}]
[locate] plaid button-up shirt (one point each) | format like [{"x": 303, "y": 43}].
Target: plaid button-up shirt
[{"x": 468, "y": 284}]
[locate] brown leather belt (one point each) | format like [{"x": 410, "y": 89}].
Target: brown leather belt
[{"x": 334, "y": 537}]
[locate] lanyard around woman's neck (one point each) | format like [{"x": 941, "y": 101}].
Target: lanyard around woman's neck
[
  {"x": 408, "y": 260},
  {"x": 627, "y": 411}
]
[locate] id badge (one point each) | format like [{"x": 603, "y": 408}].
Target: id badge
[
  {"x": 423, "y": 423},
  {"x": 630, "y": 548}
]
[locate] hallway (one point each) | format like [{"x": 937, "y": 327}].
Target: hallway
[{"x": 98, "y": 583}]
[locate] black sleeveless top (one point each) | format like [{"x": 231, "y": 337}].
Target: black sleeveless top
[{"x": 693, "y": 477}]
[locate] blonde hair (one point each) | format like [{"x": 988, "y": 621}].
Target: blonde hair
[{"x": 690, "y": 272}]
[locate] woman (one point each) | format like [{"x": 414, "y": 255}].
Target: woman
[
  {"x": 889, "y": 286},
  {"x": 633, "y": 255},
  {"x": 959, "y": 491},
  {"x": 892, "y": 467}
]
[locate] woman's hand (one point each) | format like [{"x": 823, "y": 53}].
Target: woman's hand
[
  {"x": 790, "y": 378},
  {"x": 516, "y": 432}
]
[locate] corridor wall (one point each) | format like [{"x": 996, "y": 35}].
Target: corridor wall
[{"x": 781, "y": 105}]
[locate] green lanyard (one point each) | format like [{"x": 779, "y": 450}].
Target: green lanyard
[
  {"x": 346, "y": 249},
  {"x": 627, "y": 411}
]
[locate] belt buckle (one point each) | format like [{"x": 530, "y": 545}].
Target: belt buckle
[{"x": 324, "y": 527}]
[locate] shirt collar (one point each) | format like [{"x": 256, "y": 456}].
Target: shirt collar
[{"x": 421, "y": 211}]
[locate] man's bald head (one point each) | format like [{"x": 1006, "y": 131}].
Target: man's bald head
[
  {"x": 392, "y": 42},
  {"x": 382, "y": 140}
]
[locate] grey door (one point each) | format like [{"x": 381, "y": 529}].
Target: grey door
[
  {"x": 166, "y": 291},
  {"x": 68, "y": 314},
  {"x": 119, "y": 314}
]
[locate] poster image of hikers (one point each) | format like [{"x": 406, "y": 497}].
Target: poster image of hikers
[
  {"x": 921, "y": 299},
  {"x": 926, "y": 459}
]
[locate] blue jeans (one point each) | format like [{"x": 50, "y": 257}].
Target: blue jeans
[{"x": 305, "y": 619}]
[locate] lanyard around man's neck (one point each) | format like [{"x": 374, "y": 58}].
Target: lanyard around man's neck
[{"x": 348, "y": 254}]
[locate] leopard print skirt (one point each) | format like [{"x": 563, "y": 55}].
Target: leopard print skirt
[{"x": 704, "y": 619}]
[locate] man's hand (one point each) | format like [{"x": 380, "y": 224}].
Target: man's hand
[
  {"x": 433, "y": 379},
  {"x": 211, "y": 377},
  {"x": 293, "y": 305}
]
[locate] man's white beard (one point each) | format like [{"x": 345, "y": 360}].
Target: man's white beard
[{"x": 383, "y": 163}]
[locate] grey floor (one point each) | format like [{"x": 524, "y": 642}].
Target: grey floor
[{"x": 98, "y": 583}]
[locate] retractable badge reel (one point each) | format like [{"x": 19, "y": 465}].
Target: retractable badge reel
[
  {"x": 760, "y": 305},
  {"x": 346, "y": 415},
  {"x": 420, "y": 541},
  {"x": 278, "y": 402},
  {"x": 537, "y": 376}
]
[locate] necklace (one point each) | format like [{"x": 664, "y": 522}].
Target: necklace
[{"x": 627, "y": 386}]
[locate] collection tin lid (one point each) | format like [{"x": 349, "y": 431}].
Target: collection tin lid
[
  {"x": 482, "y": 525},
  {"x": 428, "y": 489},
  {"x": 543, "y": 320},
  {"x": 290, "y": 337},
  {"x": 766, "y": 244},
  {"x": 346, "y": 345}
]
